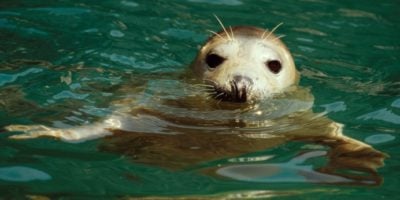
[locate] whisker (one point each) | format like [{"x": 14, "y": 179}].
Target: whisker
[
  {"x": 203, "y": 86},
  {"x": 206, "y": 85},
  {"x": 262, "y": 36},
  {"x": 233, "y": 36},
  {"x": 217, "y": 34},
  {"x": 209, "y": 82},
  {"x": 206, "y": 89},
  {"x": 211, "y": 92},
  {"x": 219, "y": 95},
  {"x": 223, "y": 27},
  {"x": 279, "y": 37},
  {"x": 273, "y": 30}
]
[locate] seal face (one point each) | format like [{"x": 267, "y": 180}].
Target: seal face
[{"x": 245, "y": 64}]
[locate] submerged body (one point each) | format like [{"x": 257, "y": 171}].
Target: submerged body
[{"x": 255, "y": 104}]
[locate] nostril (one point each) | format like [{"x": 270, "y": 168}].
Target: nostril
[
  {"x": 239, "y": 79},
  {"x": 240, "y": 87}
]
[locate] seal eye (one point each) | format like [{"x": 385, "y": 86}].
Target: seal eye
[
  {"x": 213, "y": 60},
  {"x": 274, "y": 66}
]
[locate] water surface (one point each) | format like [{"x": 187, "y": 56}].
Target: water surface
[{"x": 64, "y": 63}]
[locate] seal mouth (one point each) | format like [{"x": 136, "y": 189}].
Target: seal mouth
[{"x": 233, "y": 94}]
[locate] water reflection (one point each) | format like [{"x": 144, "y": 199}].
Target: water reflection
[
  {"x": 175, "y": 130},
  {"x": 160, "y": 37},
  {"x": 170, "y": 123},
  {"x": 379, "y": 138},
  {"x": 291, "y": 171},
  {"x": 296, "y": 170},
  {"x": 22, "y": 174}
]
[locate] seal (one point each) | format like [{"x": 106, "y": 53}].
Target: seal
[{"x": 245, "y": 64}]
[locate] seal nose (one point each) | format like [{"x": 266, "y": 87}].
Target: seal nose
[
  {"x": 239, "y": 87},
  {"x": 237, "y": 90},
  {"x": 242, "y": 80}
]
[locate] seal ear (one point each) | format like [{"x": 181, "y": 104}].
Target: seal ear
[
  {"x": 274, "y": 66},
  {"x": 214, "y": 60}
]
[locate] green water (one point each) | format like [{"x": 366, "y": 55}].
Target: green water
[{"x": 63, "y": 62}]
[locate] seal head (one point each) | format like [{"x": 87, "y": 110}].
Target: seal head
[{"x": 245, "y": 64}]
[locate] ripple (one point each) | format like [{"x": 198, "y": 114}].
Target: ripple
[
  {"x": 379, "y": 138},
  {"x": 310, "y": 31},
  {"x": 70, "y": 95},
  {"x": 383, "y": 114},
  {"x": 4, "y": 23},
  {"x": 10, "y": 78},
  {"x": 129, "y": 3},
  {"x": 127, "y": 60},
  {"x": 306, "y": 49},
  {"x": 7, "y": 24},
  {"x": 305, "y": 40},
  {"x": 183, "y": 34},
  {"x": 357, "y": 13},
  {"x": 250, "y": 159},
  {"x": 95, "y": 111},
  {"x": 396, "y": 103},
  {"x": 386, "y": 47},
  {"x": 62, "y": 11},
  {"x": 22, "y": 174},
  {"x": 335, "y": 107},
  {"x": 91, "y": 30},
  {"x": 291, "y": 171},
  {"x": 117, "y": 33},
  {"x": 223, "y": 2},
  {"x": 9, "y": 13}
]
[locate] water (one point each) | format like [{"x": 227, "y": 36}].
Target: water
[{"x": 66, "y": 63}]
